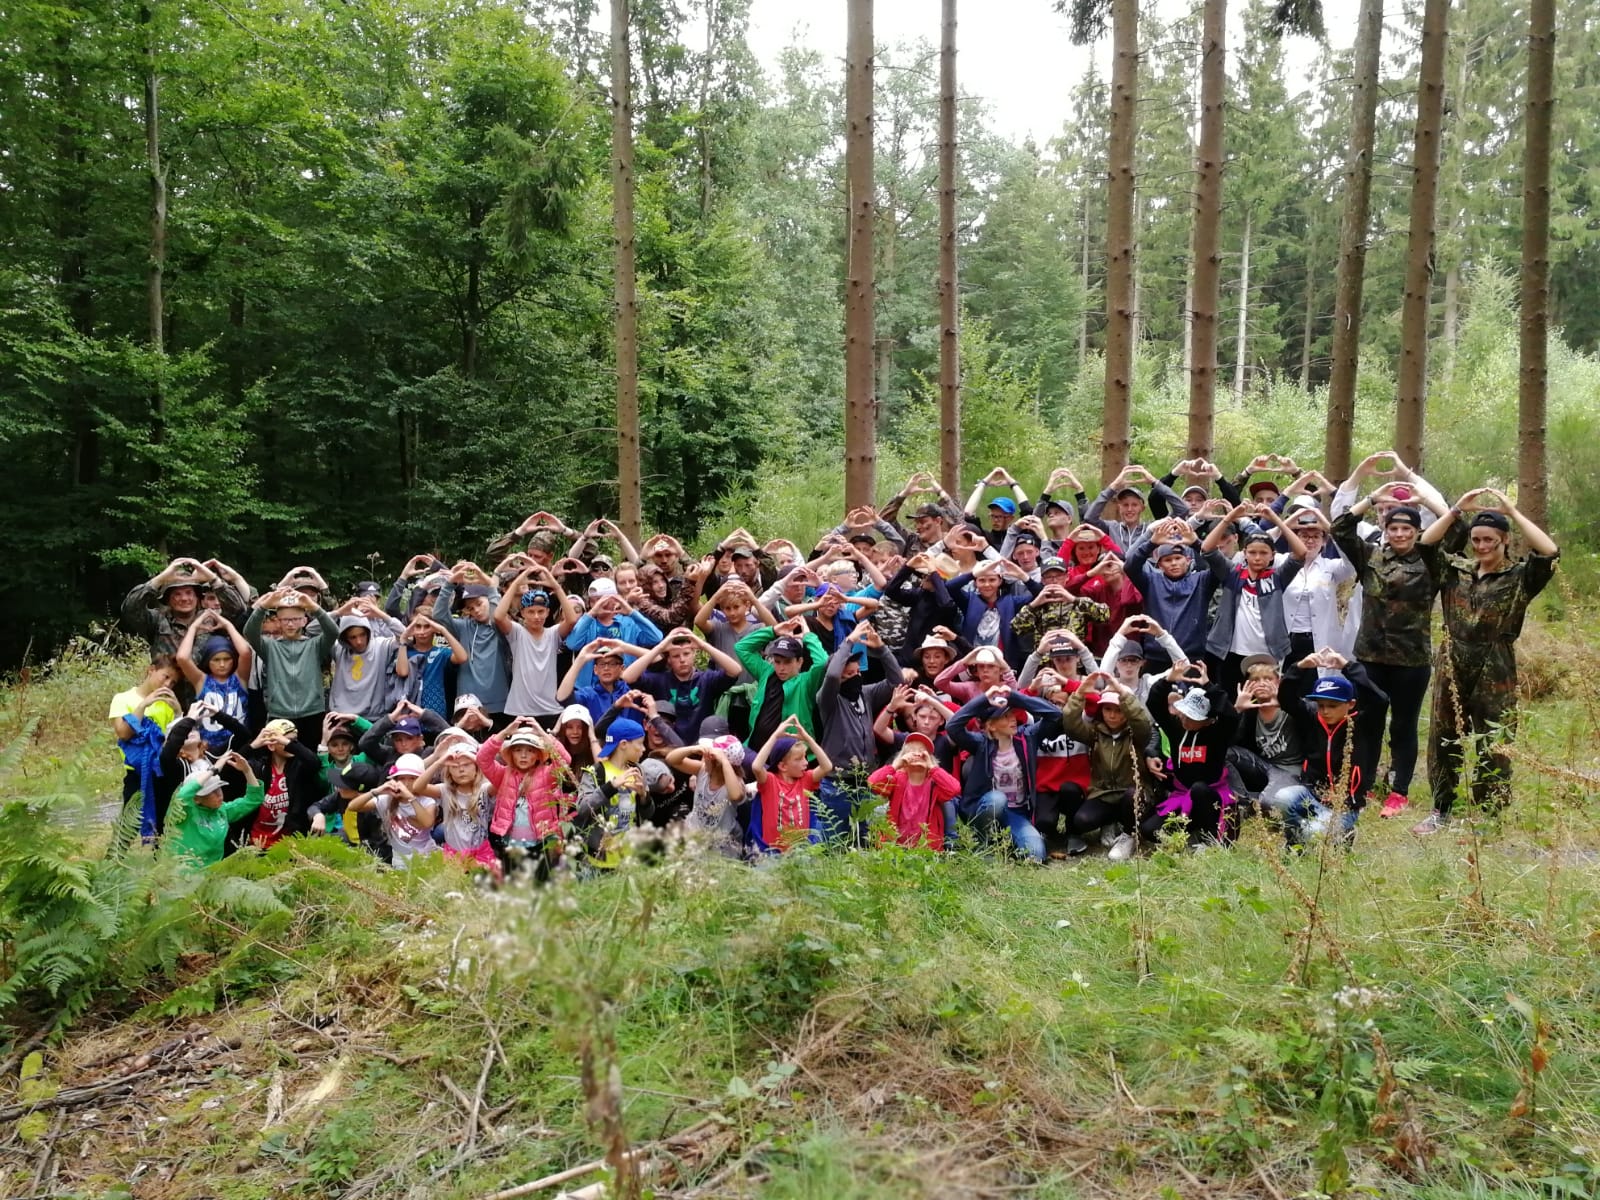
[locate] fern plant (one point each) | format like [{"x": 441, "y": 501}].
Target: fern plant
[{"x": 76, "y": 928}]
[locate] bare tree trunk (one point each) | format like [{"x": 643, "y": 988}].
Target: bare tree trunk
[
  {"x": 1083, "y": 280},
  {"x": 1353, "y": 243},
  {"x": 156, "y": 266},
  {"x": 702, "y": 124},
  {"x": 1138, "y": 280},
  {"x": 1533, "y": 478},
  {"x": 1242, "y": 338},
  {"x": 860, "y": 418},
  {"x": 949, "y": 300},
  {"x": 630, "y": 500},
  {"x": 1309, "y": 320},
  {"x": 1116, "y": 422},
  {"x": 1411, "y": 401},
  {"x": 1206, "y": 280}
]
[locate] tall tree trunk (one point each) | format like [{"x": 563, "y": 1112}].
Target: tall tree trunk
[
  {"x": 949, "y": 299},
  {"x": 1116, "y": 422},
  {"x": 1083, "y": 280},
  {"x": 1241, "y": 354},
  {"x": 1411, "y": 401},
  {"x": 156, "y": 266},
  {"x": 860, "y": 418},
  {"x": 1353, "y": 243},
  {"x": 1136, "y": 331},
  {"x": 630, "y": 501},
  {"x": 702, "y": 123},
  {"x": 1206, "y": 280},
  {"x": 1309, "y": 319},
  {"x": 1532, "y": 473}
]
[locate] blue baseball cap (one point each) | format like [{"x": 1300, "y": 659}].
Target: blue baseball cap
[
  {"x": 1005, "y": 504},
  {"x": 621, "y": 730},
  {"x": 407, "y": 725},
  {"x": 1335, "y": 688}
]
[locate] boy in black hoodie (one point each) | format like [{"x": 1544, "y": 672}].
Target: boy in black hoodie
[{"x": 1199, "y": 727}]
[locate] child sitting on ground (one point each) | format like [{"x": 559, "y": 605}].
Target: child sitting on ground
[{"x": 785, "y": 786}]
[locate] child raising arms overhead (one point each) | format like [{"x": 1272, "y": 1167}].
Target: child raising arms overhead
[{"x": 785, "y": 786}]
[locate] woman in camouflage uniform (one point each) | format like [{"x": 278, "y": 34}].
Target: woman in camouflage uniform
[{"x": 1485, "y": 598}]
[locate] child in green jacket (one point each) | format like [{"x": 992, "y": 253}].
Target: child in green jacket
[{"x": 198, "y": 819}]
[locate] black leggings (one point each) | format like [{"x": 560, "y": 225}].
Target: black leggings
[
  {"x": 1050, "y": 807},
  {"x": 1102, "y": 811},
  {"x": 1407, "y": 687},
  {"x": 1205, "y": 811}
]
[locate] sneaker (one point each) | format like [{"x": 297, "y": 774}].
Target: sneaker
[
  {"x": 1077, "y": 846},
  {"x": 1432, "y": 823},
  {"x": 1393, "y": 805},
  {"x": 1122, "y": 848},
  {"x": 1108, "y": 835}
]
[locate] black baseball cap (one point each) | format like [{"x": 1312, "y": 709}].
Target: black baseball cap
[{"x": 786, "y": 647}]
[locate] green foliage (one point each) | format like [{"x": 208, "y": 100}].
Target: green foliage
[{"x": 80, "y": 928}]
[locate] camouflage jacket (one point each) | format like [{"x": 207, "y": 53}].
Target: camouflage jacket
[
  {"x": 1072, "y": 615},
  {"x": 1397, "y": 594},
  {"x": 1489, "y": 609}
]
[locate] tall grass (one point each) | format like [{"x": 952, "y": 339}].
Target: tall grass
[{"x": 885, "y": 1024}]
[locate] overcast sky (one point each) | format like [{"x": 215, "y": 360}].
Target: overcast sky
[{"x": 1016, "y": 55}]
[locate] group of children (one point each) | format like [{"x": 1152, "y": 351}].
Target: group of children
[{"x": 1034, "y": 683}]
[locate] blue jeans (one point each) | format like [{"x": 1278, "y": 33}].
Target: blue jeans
[
  {"x": 836, "y": 812},
  {"x": 1303, "y": 815},
  {"x": 991, "y": 812}
]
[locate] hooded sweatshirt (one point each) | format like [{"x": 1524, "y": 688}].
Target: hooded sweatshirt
[
  {"x": 848, "y": 706},
  {"x": 364, "y": 683}
]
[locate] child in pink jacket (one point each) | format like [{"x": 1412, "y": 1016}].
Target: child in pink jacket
[{"x": 524, "y": 765}]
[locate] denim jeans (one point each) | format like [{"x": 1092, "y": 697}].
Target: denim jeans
[
  {"x": 1304, "y": 815},
  {"x": 991, "y": 812},
  {"x": 836, "y": 803}
]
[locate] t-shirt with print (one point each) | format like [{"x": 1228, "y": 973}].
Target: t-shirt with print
[
  {"x": 1006, "y": 775},
  {"x": 274, "y": 810},
  {"x": 988, "y": 627},
  {"x": 229, "y": 697},
  {"x": 785, "y": 805},
  {"x": 407, "y": 839},
  {"x": 1249, "y": 633},
  {"x": 693, "y": 699}
]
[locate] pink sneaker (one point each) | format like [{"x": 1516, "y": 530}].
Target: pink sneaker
[{"x": 1393, "y": 805}]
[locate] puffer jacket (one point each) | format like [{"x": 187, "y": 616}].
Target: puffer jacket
[{"x": 547, "y": 804}]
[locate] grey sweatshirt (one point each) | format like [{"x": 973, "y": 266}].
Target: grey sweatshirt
[
  {"x": 845, "y": 713},
  {"x": 292, "y": 670}
]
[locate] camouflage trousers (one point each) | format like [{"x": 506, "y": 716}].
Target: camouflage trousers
[{"x": 1474, "y": 701}]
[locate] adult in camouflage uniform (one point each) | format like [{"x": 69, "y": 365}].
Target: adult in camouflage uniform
[
  {"x": 1399, "y": 578},
  {"x": 1485, "y": 598}
]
